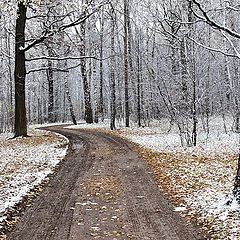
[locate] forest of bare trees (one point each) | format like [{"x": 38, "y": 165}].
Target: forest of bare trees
[{"x": 128, "y": 61}]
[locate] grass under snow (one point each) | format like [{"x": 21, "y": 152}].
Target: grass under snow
[{"x": 198, "y": 180}]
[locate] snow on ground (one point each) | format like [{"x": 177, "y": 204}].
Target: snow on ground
[
  {"x": 25, "y": 162},
  {"x": 214, "y": 143},
  {"x": 84, "y": 125},
  {"x": 202, "y": 185},
  {"x": 159, "y": 138},
  {"x": 198, "y": 179}
]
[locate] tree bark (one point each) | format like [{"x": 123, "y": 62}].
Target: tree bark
[
  {"x": 192, "y": 69},
  {"x": 51, "y": 117},
  {"x": 112, "y": 76},
  {"x": 101, "y": 111},
  {"x": 87, "y": 94},
  {"x": 139, "y": 71},
  {"x": 70, "y": 102},
  {"x": 20, "y": 125},
  {"x": 236, "y": 189},
  {"x": 126, "y": 64}
]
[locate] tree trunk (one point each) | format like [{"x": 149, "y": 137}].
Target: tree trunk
[
  {"x": 139, "y": 70},
  {"x": 96, "y": 90},
  {"x": 101, "y": 111},
  {"x": 194, "y": 115},
  {"x": 51, "y": 117},
  {"x": 192, "y": 71},
  {"x": 236, "y": 189},
  {"x": 87, "y": 94},
  {"x": 11, "y": 113},
  {"x": 70, "y": 103},
  {"x": 126, "y": 73},
  {"x": 112, "y": 75},
  {"x": 20, "y": 125}
]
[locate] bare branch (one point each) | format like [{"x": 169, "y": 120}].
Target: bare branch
[
  {"x": 215, "y": 49},
  {"x": 50, "y": 32},
  {"x": 64, "y": 58},
  {"x": 211, "y": 22},
  {"x": 54, "y": 69},
  {"x": 45, "y": 69}
]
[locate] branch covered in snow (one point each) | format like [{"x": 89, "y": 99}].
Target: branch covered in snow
[
  {"x": 48, "y": 32},
  {"x": 205, "y": 17},
  {"x": 237, "y": 55},
  {"x": 64, "y": 58}
]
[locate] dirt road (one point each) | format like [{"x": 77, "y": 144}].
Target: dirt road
[{"x": 103, "y": 190}]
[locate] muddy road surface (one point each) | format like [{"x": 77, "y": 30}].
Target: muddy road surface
[{"x": 103, "y": 190}]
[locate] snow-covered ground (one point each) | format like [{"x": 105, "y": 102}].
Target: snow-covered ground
[
  {"x": 25, "y": 162},
  {"x": 198, "y": 179},
  {"x": 159, "y": 138}
]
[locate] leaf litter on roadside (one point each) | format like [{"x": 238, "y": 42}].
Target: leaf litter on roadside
[
  {"x": 197, "y": 179},
  {"x": 200, "y": 187},
  {"x": 24, "y": 164}
]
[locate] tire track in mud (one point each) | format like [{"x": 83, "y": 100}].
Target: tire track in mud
[{"x": 53, "y": 207}]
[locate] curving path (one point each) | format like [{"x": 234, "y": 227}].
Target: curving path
[{"x": 103, "y": 190}]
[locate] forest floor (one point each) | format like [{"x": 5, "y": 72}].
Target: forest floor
[
  {"x": 103, "y": 190},
  {"x": 198, "y": 180},
  {"x": 25, "y": 163}
]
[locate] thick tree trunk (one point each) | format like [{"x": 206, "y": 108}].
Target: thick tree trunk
[
  {"x": 20, "y": 125},
  {"x": 87, "y": 94}
]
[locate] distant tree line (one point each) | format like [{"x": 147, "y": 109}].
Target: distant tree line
[{"x": 128, "y": 61}]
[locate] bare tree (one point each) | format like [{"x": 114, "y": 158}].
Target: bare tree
[
  {"x": 126, "y": 62},
  {"x": 20, "y": 127},
  {"x": 112, "y": 72}
]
